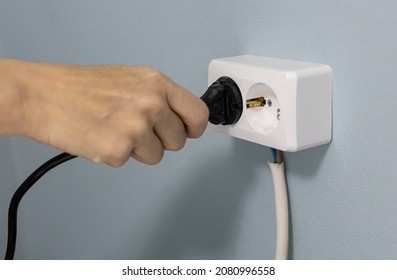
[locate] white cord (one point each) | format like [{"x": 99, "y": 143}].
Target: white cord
[{"x": 281, "y": 205}]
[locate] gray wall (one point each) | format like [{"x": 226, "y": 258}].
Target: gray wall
[{"x": 214, "y": 199}]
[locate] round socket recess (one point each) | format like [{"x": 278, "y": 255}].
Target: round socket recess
[{"x": 264, "y": 119}]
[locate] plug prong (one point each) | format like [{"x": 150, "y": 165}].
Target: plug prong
[{"x": 256, "y": 102}]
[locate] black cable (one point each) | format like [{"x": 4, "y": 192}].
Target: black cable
[{"x": 20, "y": 192}]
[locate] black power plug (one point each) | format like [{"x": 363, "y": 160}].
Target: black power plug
[{"x": 224, "y": 101}]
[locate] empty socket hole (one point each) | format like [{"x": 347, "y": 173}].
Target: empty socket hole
[{"x": 262, "y": 108}]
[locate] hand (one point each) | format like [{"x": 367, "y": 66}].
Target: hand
[{"x": 108, "y": 113}]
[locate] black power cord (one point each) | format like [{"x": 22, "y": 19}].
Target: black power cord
[
  {"x": 21, "y": 191},
  {"x": 225, "y": 104}
]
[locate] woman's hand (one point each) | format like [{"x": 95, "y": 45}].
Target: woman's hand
[{"x": 104, "y": 113}]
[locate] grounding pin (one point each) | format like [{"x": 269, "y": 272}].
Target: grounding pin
[{"x": 256, "y": 102}]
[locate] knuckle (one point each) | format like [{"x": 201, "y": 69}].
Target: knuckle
[
  {"x": 152, "y": 106},
  {"x": 97, "y": 159},
  {"x": 114, "y": 153},
  {"x": 121, "y": 152},
  {"x": 176, "y": 144},
  {"x": 116, "y": 163},
  {"x": 138, "y": 130},
  {"x": 149, "y": 159},
  {"x": 156, "y": 158},
  {"x": 153, "y": 75}
]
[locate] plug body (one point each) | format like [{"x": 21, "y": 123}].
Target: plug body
[
  {"x": 224, "y": 101},
  {"x": 286, "y": 104}
]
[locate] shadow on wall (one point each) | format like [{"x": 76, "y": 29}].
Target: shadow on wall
[
  {"x": 201, "y": 219},
  {"x": 304, "y": 163}
]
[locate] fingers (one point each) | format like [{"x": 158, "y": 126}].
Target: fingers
[
  {"x": 148, "y": 148},
  {"x": 106, "y": 146},
  {"x": 186, "y": 116},
  {"x": 171, "y": 131},
  {"x": 167, "y": 134},
  {"x": 191, "y": 109}
]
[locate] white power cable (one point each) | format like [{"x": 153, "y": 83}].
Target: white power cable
[{"x": 281, "y": 205}]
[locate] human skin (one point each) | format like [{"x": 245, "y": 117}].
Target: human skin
[{"x": 104, "y": 113}]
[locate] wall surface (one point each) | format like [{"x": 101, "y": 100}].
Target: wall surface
[{"x": 214, "y": 199}]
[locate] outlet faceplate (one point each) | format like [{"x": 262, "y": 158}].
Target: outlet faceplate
[{"x": 290, "y": 102}]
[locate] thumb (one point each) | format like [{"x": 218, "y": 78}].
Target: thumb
[{"x": 192, "y": 110}]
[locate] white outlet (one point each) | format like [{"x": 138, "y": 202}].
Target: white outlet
[{"x": 297, "y": 113}]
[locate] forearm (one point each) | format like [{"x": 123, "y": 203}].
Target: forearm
[{"x": 13, "y": 83}]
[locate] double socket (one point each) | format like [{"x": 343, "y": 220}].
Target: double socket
[{"x": 287, "y": 105}]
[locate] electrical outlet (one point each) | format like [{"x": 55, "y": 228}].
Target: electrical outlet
[{"x": 287, "y": 105}]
